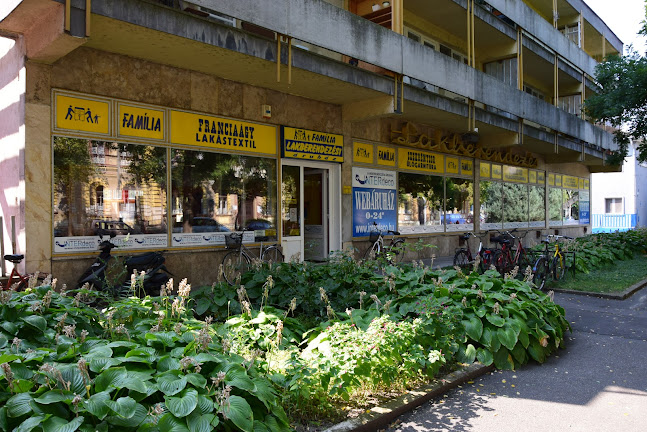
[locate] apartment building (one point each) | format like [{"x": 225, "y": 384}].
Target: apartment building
[{"x": 306, "y": 122}]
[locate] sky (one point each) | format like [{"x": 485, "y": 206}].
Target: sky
[{"x": 623, "y": 18}]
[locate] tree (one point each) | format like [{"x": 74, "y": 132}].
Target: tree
[{"x": 622, "y": 100}]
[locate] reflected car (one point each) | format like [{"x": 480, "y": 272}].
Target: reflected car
[
  {"x": 257, "y": 224},
  {"x": 203, "y": 224},
  {"x": 100, "y": 226}
]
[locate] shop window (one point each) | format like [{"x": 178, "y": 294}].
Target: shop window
[
  {"x": 459, "y": 204},
  {"x": 90, "y": 194},
  {"x": 215, "y": 192},
  {"x": 537, "y": 206},
  {"x": 515, "y": 205},
  {"x": 491, "y": 205},
  {"x": 555, "y": 206},
  {"x": 420, "y": 207},
  {"x": 613, "y": 206},
  {"x": 571, "y": 206}
]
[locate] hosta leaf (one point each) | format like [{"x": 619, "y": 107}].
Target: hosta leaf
[
  {"x": 184, "y": 405},
  {"x": 19, "y": 405},
  {"x": 484, "y": 356},
  {"x": 72, "y": 375},
  {"x": 132, "y": 383},
  {"x": 102, "y": 363},
  {"x": 503, "y": 359},
  {"x": 537, "y": 351},
  {"x": 10, "y": 327},
  {"x": 36, "y": 321},
  {"x": 54, "y": 396},
  {"x": 57, "y": 424},
  {"x": 130, "y": 422},
  {"x": 22, "y": 386},
  {"x": 124, "y": 406},
  {"x": 519, "y": 353},
  {"x": 205, "y": 404},
  {"x": 31, "y": 423},
  {"x": 275, "y": 424},
  {"x": 264, "y": 392},
  {"x": 170, "y": 384},
  {"x": 200, "y": 423},
  {"x": 99, "y": 351},
  {"x": 168, "y": 423},
  {"x": 113, "y": 377},
  {"x": 6, "y": 358},
  {"x": 196, "y": 380},
  {"x": 260, "y": 427},
  {"x": 467, "y": 354},
  {"x": 507, "y": 337},
  {"x": 240, "y": 413},
  {"x": 96, "y": 404},
  {"x": 165, "y": 338},
  {"x": 168, "y": 363},
  {"x": 122, "y": 344},
  {"x": 473, "y": 328},
  {"x": 495, "y": 320},
  {"x": 237, "y": 377}
]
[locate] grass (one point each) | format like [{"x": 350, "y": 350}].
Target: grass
[{"x": 613, "y": 278}]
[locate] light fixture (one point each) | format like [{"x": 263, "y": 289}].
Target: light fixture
[
  {"x": 386, "y": 4},
  {"x": 375, "y": 7}
]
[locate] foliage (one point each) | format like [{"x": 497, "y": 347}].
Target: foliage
[
  {"x": 158, "y": 369},
  {"x": 622, "y": 100}
]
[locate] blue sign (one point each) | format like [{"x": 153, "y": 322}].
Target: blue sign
[
  {"x": 585, "y": 210},
  {"x": 374, "y": 201}
]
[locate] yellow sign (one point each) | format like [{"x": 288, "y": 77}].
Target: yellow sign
[
  {"x": 586, "y": 184},
  {"x": 85, "y": 115},
  {"x": 362, "y": 152},
  {"x": 570, "y": 182},
  {"x": 496, "y": 172},
  {"x": 515, "y": 174},
  {"x": 221, "y": 133},
  {"x": 532, "y": 177},
  {"x": 312, "y": 145},
  {"x": 140, "y": 122},
  {"x": 385, "y": 156},
  {"x": 485, "y": 170},
  {"x": 558, "y": 180},
  {"x": 541, "y": 177},
  {"x": 551, "y": 179},
  {"x": 451, "y": 165},
  {"x": 467, "y": 167},
  {"x": 420, "y": 160}
]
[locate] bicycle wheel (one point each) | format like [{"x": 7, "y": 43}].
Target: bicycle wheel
[
  {"x": 559, "y": 268},
  {"x": 462, "y": 259},
  {"x": 503, "y": 263},
  {"x": 373, "y": 252},
  {"x": 487, "y": 258},
  {"x": 396, "y": 251},
  {"x": 272, "y": 255},
  {"x": 233, "y": 265},
  {"x": 523, "y": 261},
  {"x": 540, "y": 272}
]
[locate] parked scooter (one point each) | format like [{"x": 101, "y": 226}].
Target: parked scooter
[{"x": 113, "y": 278}]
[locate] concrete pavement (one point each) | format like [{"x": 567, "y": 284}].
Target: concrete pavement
[{"x": 598, "y": 383}]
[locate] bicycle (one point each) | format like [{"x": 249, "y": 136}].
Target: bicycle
[
  {"x": 550, "y": 263},
  {"x": 505, "y": 260},
  {"x": 392, "y": 253},
  {"x": 464, "y": 259},
  {"x": 16, "y": 280},
  {"x": 238, "y": 260}
]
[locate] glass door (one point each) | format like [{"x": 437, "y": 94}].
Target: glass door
[
  {"x": 308, "y": 210},
  {"x": 315, "y": 214}
]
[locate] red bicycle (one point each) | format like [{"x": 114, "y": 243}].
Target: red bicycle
[
  {"x": 464, "y": 259},
  {"x": 15, "y": 278},
  {"x": 508, "y": 257}
]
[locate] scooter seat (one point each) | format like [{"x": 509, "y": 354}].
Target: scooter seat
[{"x": 145, "y": 260}]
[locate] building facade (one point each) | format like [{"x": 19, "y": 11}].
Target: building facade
[
  {"x": 620, "y": 201},
  {"x": 305, "y": 122}
]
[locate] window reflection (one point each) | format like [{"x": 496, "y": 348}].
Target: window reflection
[
  {"x": 459, "y": 205},
  {"x": 515, "y": 205},
  {"x": 214, "y": 192},
  {"x": 555, "y": 206},
  {"x": 491, "y": 205},
  {"x": 571, "y": 206},
  {"x": 105, "y": 185},
  {"x": 420, "y": 207},
  {"x": 537, "y": 206}
]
